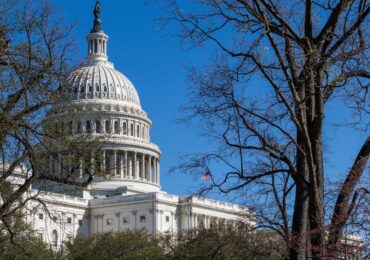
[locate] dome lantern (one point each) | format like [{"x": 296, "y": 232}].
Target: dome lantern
[{"x": 97, "y": 39}]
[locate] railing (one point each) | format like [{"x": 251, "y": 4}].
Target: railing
[
  {"x": 136, "y": 197},
  {"x": 131, "y": 140},
  {"x": 216, "y": 203},
  {"x": 56, "y": 197},
  {"x": 121, "y": 199}
]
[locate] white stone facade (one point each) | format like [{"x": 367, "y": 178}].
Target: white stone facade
[{"x": 131, "y": 198}]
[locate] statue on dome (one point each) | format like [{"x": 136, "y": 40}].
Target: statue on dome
[{"x": 97, "y": 21}]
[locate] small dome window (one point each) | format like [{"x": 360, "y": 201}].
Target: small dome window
[
  {"x": 132, "y": 129},
  {"x": 137, "y": 131},
  {"x": 116, "y": 127},
  {"x": 75, "y": 90},
  {"x": 82, "y": 89},
  {"x": 90, "y": 88},
  {"x": 97, "y": 126},
  {"x": 107, "y": 127},
  {"x": 79, "y": 127},
  {"x": 105, "y": 88},
  {"x": 88, "y": 127},
  {"x": 97, "y": 87},
  {"x": 124, "y": 128}
]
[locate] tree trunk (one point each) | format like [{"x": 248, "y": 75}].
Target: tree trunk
[{"x": 298, "y": 238}]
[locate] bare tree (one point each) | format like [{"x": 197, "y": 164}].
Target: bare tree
[
  {"x": 264, "y": 100},
  {"x": 35, "y": 144}
]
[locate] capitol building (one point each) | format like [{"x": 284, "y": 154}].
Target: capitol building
[{"x": 131, "y": 198}]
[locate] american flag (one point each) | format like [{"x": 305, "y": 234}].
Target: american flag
[{"x": 207, "y": 175}]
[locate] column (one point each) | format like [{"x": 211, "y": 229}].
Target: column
[
  {"x": 80, "y": 167},
  {"x": 158, "y": 172},
  {"x": 143, "y": 166},
  {"x": 126, "y": 172},
  {"x": 131, "y": 166},
  {"x": 154, "y": 170},
  {"x": 118, "y": 214},
  {"x": 147, "y": 170},
  {"x": 97, "y": 223},
  {"x": 121, "y": 165},
  {"x": 114, "y": 163},
  {"x": 103, "y": 161},
  {"x": 92, "y": 162},
  {"x": 135, "y": 173}
]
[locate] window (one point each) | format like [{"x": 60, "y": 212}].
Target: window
[
  {"x": 132, "y": 130},
  {"x": 167, "y": 218},
  {"x": 98, "y": 127},
  {"x": 82, "y": 89},
  {"x": 142, "y": 219},
  {"x": 54, "y": 238},
  {"x": 79, "y": 127},
  {"x": 80, "y": 222},
  {"x": 90, "y": 88},
  {"x": 124, "y": 128},
  {"x": 88, "y": 127},
  {"x": 69, "y": 220},
  {"x": 41, "y": 216},
  {"x": 70, "y": 128},
  {"x": 97, "y": 87},
  {"x": 126, "y": 220},
  {"x": 116, "y": 127},
  {"x": 107, "y": 126},
  {"x": 105, "y": 88},
  {"x": 138, "y": 131},
  {"x": 109, "y": 221},
  {"x": 55, "y": 218}
]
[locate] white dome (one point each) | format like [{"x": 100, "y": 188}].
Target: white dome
[{"x": 99, "y": 80}]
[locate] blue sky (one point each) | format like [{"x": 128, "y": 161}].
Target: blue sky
[{"x": 156, "y": 64}]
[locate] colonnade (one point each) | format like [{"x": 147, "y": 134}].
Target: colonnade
[
  {"x": 131, "y": 165},
  {"x": 117, "y": 164},
  {"x": 201, "y": 220}
]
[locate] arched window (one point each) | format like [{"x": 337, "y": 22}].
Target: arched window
[
  {"x": 116, "y": 127},
  {"x": 124, "y": 128},
  {"x": 107, "y": 126},
  {"x": 54, "y": 238},
  {"x": 97, "y": 87},
  {"x": 90, "y": 88},
  {"x": 79, "y": 127},
  {"x": 137, "y": 131},
  {"x": 88, "y": 127},
  {"x": 105, "y": 88},
  {"x": 132, "y": 129},
  {"x": 98, "y": 127},
  {"x": 70, "y": 128}
]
